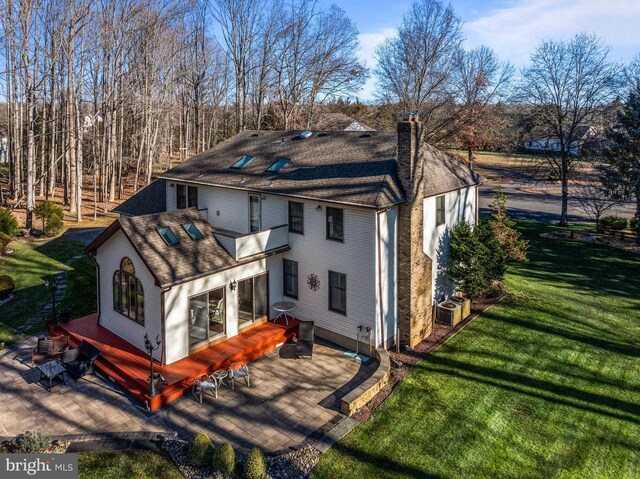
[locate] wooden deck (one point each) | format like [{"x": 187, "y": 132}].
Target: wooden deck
[{"x": 129, "y": 367}]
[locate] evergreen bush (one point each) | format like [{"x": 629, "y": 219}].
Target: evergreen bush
[
  {"x": 7, "y": 285},
  {"x": 199, "y": 450},
  {"x": 5, "y": 239},
  {"x": 51, "y": 215},
  {"x": 224, "y": 459},
  {"x": 255, "y": 467},
  {"x": 612, "y": 224},
  {"x": 32, "y": 442},
  {"x": 633, "y": 223},
  {"x": 8, "y": 222}
]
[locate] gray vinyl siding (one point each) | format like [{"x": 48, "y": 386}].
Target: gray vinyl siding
[{"x": 108, "y": 257}]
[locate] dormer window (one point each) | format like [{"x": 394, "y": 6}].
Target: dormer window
[
  {"x": 278, "y": 165},
  {"x": 241, "y": 163},
  {"x": 168, "y": 236},
  {"x": 192, "y": 230}
]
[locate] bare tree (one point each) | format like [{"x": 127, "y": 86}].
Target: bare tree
[
  {"x": 595, "y": 200},
  {"x": 566, "y": 85}
]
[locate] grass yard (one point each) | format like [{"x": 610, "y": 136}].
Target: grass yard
[
  {"x": 81, "y": 296},
  {"x": 34, "y": 261},
  {"x": 131, "y": 464},
  {"x": 545, "y": 384}
]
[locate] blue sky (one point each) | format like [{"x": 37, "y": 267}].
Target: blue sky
[{"x": 512, "y": 28}]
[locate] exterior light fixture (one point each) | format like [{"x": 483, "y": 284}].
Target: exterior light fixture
[
  {"x": 148, "y": 345},
  {"x": 319, "y": 208},
  {"x": 171, "y": 185},
  {"x": 233, "y": 285}
]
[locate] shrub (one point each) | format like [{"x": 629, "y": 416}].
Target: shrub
[
  {"x": 5, "y": 239},
  {"x": 224, "y": 459},
  {"x": 32, "y": 442},
  {"x": 7, "y": 285},
  {"x": 633, "y": 223},
  {"x": 255, "y": 466},
  {"x": 3, "y": 449},
  {"x": 611, "y": 224},
  {"x": 8, "y": 222},
  {"x": 199, "y": 450},
  {"x": 51, "y": 216}
]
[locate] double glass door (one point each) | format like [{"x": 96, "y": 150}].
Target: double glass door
[
  {"x": 206, "y": 317},
  {"x": 253, "y": 299}
]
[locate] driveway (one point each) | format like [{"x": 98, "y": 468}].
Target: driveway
[
  {"x": 527, "y": 202},
  {"x": 86, "y": 235}
]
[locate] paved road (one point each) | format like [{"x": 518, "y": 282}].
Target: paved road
[
  {"x": 86, "y": 235},
  {"x": 543, "y": 206}
]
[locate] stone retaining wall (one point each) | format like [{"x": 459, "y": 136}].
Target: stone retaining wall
[{"x": 365, "y": 392}]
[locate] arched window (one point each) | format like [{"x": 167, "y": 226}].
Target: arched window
[{"x": 128, "y": 295}]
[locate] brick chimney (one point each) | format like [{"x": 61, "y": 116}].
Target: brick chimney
[{"x": 414, "y": 266}]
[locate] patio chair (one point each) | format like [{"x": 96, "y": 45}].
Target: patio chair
[
  {"x": 304, "y": 345},
  {"x": 204, "y": 385},
  {"x": 49, "y": 348},
  {"x": 79, "y": 361},
  {"x": 238, "y": 372}
]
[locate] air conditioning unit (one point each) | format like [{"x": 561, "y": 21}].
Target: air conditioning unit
[
  {"x": 465, "y": 304},
  {"x": 449, "y": 313}
]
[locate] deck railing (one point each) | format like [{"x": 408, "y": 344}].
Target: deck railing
[{"x": 242, "y": 246}]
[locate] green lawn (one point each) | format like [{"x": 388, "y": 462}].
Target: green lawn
[
  {"x": 546, "y": 384},
  {"x": 34, "y": 261},
  {"x": 80, "y": 296},
  {"x": 121, "y": 465}
]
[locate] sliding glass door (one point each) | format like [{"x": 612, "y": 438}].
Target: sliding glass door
[
  {"x": 206, "y": 317},
  {"x": 253, "y": 299}
]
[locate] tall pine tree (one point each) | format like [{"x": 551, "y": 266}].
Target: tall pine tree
[{"x": 622, "y": 174}]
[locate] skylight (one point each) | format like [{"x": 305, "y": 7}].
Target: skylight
[
  {"x": 238, "y": 165},
  {"x": 168, "y": 236},
  {"x": 193, "y": 231},
  {"x": 278, "y": 164}
]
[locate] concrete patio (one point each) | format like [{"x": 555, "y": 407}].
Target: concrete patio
[{"x": 290, "y": 402}]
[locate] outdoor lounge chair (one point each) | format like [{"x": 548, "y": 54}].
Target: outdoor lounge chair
[
  {"x": 204, "y": 385},
  {"x": 49, "y": 348},
  {"x": 304, "y": 345},
  {"x": 79, "y": 361},
  {"x": 238, "y": 372}
]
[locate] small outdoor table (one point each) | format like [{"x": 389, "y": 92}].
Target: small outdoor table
[
  {"x": 219, "y": 376},
  {"x": 51, "y": 370},
  {"x": 284, "y": 308}
]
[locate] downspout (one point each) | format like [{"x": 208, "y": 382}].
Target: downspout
[
  {"x": 379, "y": 239},
  {"x": 163, "y": 353},
  {"x": 92, "y": 255}
]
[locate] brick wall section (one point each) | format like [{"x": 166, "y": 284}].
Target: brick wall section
[{"x": 414, "y": 266}]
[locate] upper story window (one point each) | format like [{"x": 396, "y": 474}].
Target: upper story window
[
  {"x": 128, "y": 295},
  {"x": 193, "y": 231},
  {"x": 168, "y": 236},
  {"x": 278, "y": 165},
  {"x": 296, "y": 217},
  {"x": 290, "y": 278},
  {"x": 338, "y": 292},
  {"x": 335, "y": 224},
  {"x": 241, "y": 163},
  {"x": 440, "y": 210},
  {"x": 186, "y": 196}
]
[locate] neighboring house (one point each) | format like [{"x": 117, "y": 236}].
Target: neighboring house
[
  {"x": 4, "y": 145},
  {"x": 542, "y": 140},
  {"x": 350, "y": 227},
  {"x": 338, "y": 122}
]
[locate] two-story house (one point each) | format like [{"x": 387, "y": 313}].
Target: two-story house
[{"x": 351, "y": 227}]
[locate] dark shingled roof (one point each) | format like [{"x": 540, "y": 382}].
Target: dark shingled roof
[
  {"x": 443, "y": 173},
  {"x": 171, "y": 264},
  {"x": 150, "y": 199},
  {"x": 342, "y": 166}
]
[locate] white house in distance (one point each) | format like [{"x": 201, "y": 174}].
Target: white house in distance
[
  {"x": 4, "y": 145},
  {"x": 349, "y": 226},
  {"x": 542, "y": 140}
]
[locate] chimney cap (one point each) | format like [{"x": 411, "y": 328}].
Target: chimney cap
[{"x": 410, "y": 116}]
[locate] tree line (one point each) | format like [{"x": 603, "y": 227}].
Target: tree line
[{"x": 119, "y": 89}]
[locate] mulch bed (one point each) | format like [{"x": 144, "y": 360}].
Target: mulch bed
[
  {"x": 404, "y": 361},
  {"x": 592, "y": 237}
]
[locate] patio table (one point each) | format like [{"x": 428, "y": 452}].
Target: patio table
[
  {"x": 219, "y": 376},
  {"x": 51, "y": 370},
  {"x": 284, "y": 308}
]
